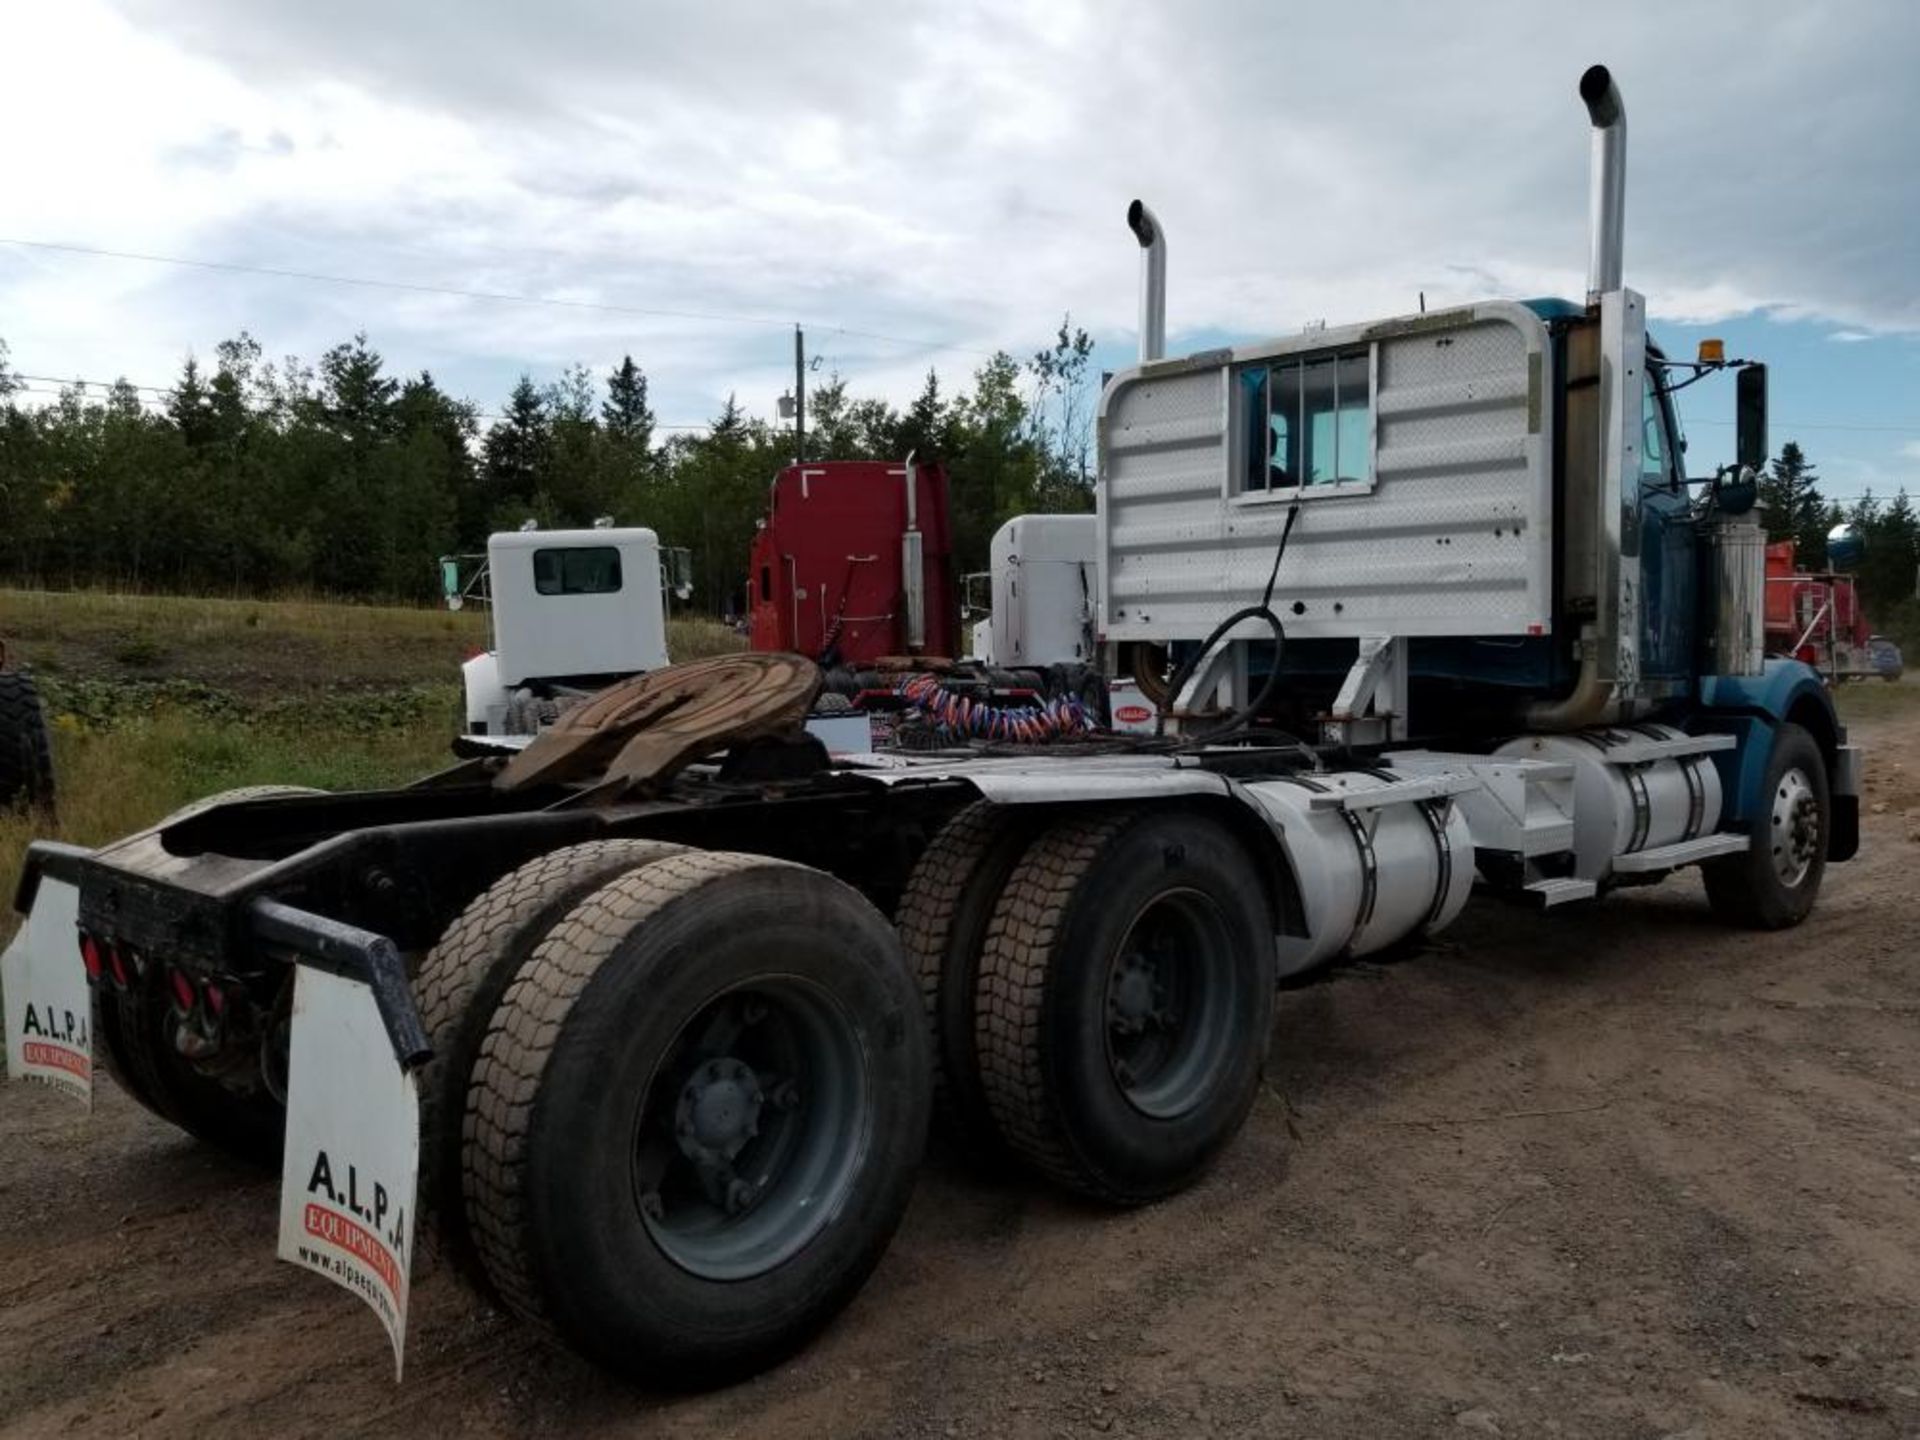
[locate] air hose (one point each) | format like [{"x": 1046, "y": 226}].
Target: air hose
[
  {"x": 1263, "y": 611},
  {"x": 958, "y": 717}
]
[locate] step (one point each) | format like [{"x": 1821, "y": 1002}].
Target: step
[
  {"x": 1684, "y": 852},
  {"x": 1641, "y": 749},
  {"x": 1561, "y": 890}
]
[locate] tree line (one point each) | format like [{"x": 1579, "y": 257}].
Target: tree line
[
  {"x": 255, "y": 477},
  {"x": 342, "y": 478}
]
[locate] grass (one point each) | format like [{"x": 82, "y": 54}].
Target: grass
[
  {"x": 261, "y": 648},
  {"x": 1875, "y": 699},
  {"x": 156, "y": 701}
]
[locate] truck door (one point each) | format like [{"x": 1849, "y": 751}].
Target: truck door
[{"x": 1666, "y": 537}]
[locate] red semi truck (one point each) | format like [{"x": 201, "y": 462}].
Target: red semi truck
[
  {"x": 853, "y": 562},
  {"x": 1816, "y": 616}
]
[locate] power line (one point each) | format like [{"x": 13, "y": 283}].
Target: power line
[
  {"x": 505, "y": 296},
  {"x": 1910, "y": 428}
]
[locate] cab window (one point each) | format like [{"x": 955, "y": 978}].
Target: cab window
[
  {"x": 1310, "y": 422},
  {"x": 577, "y": 570}
]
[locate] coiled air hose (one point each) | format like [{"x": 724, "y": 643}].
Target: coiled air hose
[
  {"x": 1263, "y": 611},
  {"x": 958, "y": 717}
]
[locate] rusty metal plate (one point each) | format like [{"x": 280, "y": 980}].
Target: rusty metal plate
[{"x": 648, "y": 728}]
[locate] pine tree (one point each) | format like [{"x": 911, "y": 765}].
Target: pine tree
[
  {"x": 1794, "y": 509},
  {"x": 517, "y": 450},
  {"x": 625, "y": 414}
]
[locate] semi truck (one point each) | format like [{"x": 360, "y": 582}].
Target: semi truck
[
  {"x": 568, "y": 611},
  {"x": 1816, "y": 616},
  {"x": 676, "y": 990}
]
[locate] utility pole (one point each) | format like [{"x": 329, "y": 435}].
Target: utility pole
[{"x": 799, "y": 397}]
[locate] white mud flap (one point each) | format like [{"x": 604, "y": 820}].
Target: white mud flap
[
  {"x": 352, "y": 1149},
  {"x": 49, "y": 1012}
]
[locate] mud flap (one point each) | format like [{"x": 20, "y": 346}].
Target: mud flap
[
  {"x": 352, "y": 1148},
  {"x": 48, "y": 1008}
]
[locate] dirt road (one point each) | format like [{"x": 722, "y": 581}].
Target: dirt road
[{"x": 1628, "y": 1174}]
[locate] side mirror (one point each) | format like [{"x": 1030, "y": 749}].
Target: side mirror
[
  {"x": 450, "y": 582},
  {"x": 1750, "y": 408}
]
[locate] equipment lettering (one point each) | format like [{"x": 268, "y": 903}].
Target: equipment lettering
[{"x": 322, "y": 1178}]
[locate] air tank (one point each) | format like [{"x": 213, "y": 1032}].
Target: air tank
[{"x": 1622, "y": 805}]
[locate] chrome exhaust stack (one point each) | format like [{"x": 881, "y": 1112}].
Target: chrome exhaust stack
[
  {"x": 1153, "y": 280},
  {"x": 1607, "y": 182}
]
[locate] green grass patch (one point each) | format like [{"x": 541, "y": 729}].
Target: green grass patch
[
  {"x": 1876, "y": 699},
  {"x": 117, "y": 779},
  {"x": 157, "y": 701},
  {"x": 259, "y": 649}
]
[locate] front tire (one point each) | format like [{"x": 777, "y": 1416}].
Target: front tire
[
  {"x": 695, "y": 1120},
  {"x": 1773, "y": 883}
]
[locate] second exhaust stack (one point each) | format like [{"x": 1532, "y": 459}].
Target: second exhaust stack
[
  {"x": 1607, "y": 181},
  {"x": 1153, "y": 280}
]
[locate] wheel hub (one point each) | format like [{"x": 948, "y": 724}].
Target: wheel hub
[
  {"x": 1795, "y": 830},
  {"x": 718, "y": 1111},
  {"x": 1132, "y": 995}
]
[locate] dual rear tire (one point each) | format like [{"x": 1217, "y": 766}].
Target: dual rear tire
[
  {"x": 689, "y": 1124},
  {"x": 1101, "y": 996}
]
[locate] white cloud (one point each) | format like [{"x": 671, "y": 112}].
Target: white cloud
[
  {"x": 1910, "y": 450},
  {"x": 957, "y": 173}
]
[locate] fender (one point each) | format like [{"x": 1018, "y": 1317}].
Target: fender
[{"x": 1752, "y": 708}]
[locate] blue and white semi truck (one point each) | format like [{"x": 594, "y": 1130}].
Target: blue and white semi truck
[{"x": 661, "y": 1005}]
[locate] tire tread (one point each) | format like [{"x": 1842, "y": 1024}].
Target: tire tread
[{"x": 519, "y": 1043}]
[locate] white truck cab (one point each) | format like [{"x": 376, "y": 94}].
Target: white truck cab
[
  {"x": 1044, "y": 579},
  {"x": 570, "y": 611}
]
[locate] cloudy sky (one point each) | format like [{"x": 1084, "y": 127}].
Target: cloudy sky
[{"x": 921, "y": 184}]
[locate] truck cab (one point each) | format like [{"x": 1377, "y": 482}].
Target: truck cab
[
  {"x": 1466, "y": 530},
  {"x": 570, "y": 611}
]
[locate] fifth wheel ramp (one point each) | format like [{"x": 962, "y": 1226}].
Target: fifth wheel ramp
[{"x": 646, "y": 729}]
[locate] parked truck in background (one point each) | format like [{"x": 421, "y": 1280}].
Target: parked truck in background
[
  {"x": 852, "y": 563},
  {"x": 677, "y": 990},
  {"x": 1816, "y": 616},
  {"x": 568, "y": 611}
]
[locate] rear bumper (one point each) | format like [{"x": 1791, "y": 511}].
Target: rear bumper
[{"x": 170, "y": 922}]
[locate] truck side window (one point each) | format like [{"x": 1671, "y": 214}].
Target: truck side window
[
  {"x": 1653, "y": 434},
  {"x": 1311, "y": 419},
  {"x": 578, "y": 570}
]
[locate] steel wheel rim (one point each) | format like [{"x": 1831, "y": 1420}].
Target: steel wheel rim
[
  {"x": 1794, "y": 832},
  {"x": 1168, "y": 1004},
  {"x": 753, "y": 1129}
]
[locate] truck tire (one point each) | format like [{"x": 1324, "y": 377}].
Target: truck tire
[
  {"x": 135, "y": 1029},
  {"x": 942, "y": 918},
  {"x": 26, "y": 754},
  {"x": 1125, "y": 999},
  {"x": 695, "y": 1119},
  {"x": 458, "y": 987},
  {"x": 1772, "y": 884}
]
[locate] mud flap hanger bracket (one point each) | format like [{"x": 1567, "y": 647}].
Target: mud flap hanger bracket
[{"x": 356, "y": 954}]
